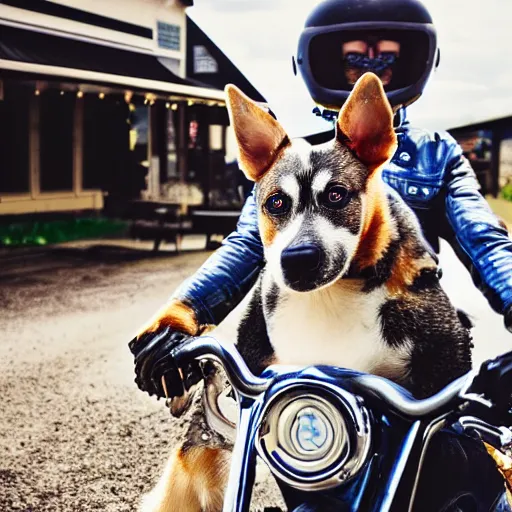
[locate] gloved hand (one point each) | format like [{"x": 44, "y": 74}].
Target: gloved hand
[
  {"x": 494, "y": 382},
  {"x": 154, "y": 358}
]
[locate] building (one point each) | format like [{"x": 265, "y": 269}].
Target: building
[
  {"x": 103, "y": 102},
  {"x": 488, "y": 145}
]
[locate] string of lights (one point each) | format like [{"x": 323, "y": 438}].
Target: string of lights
[{"x": 172, "y": 102}]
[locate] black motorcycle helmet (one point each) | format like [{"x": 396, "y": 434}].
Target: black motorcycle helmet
[{"x": 329, "y": 74}]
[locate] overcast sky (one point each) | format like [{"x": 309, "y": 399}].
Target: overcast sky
[{"x": 473, "y": 82}]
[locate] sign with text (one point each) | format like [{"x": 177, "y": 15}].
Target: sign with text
[{"x": 169, "y": 36}]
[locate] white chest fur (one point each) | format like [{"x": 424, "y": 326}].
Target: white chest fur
[{"x": 338, "y": 326}]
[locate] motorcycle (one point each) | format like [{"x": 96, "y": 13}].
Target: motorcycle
[{"x": 336, "y": 439}]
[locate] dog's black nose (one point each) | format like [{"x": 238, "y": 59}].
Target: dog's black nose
[{"x": 300, "y": 261}]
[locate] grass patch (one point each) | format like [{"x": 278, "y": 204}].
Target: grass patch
[{"x": 58, "y": 231}]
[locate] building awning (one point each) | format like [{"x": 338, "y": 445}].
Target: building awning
[{"x": 48, "y": 55}]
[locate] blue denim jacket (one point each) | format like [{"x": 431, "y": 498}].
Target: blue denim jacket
[{"x": 431, "y": 174}]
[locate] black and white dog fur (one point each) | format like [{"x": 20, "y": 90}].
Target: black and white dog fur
[{"x": 349, "y": 280}]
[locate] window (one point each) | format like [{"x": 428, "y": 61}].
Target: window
[
  {"x": 203, "y": 61},
  {"x": 14, "y": 140},
  {"x": 476, "y": 146},
  {"x": 56, "y": 140},
  {"x": 108, "y": 163}
]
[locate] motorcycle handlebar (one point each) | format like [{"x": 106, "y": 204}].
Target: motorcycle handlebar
[
  {"x": 247, "y": 384},
  {"x": 242, "y": 379},
  {"x": 410, "y": 407}
]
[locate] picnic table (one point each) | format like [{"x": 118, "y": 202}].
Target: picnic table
[
  {"x": 158, "y": 221},
  {"x": 163, "y": 222},
  {"x": 214, "y": 222}
]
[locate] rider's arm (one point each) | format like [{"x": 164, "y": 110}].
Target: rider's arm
[
  {"x": 478, "y": 231},
  {"x": 201, "y": 301}
]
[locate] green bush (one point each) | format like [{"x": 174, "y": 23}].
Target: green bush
[
  {"x": 52, "y": 232},
  {"x": 506, "y": 192}
]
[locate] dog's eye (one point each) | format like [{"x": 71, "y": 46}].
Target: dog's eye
[
  {"x": 278, "y": 204},
  {"x": 336, "y": 196}
]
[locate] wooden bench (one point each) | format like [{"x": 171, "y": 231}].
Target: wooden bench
[
  {"x": 158, "y": 221},
  {"x": 162, "y": 222},
  {"x": 213, "y": 222}
]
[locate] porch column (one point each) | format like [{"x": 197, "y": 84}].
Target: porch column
[
  {"x": 182, "y": 151},
  {"x": 154, "y": 160},
  {"x": 78, "y": 146},
  {"x": 34, "y": 148}
]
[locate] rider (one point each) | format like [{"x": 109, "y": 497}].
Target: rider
[{"x": 341, "y": 40}]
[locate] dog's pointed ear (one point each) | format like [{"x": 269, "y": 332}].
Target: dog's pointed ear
[
  {"x": 259, "y": 136},
  {"x": 365, "y": 123}
]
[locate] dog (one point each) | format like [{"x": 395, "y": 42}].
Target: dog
[{"x": 349, "y": 280}]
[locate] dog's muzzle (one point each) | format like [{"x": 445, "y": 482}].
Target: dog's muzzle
[{"x": 300, "y": 264}]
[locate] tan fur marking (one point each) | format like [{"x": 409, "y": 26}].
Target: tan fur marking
[
  {"x": 206, "y": 328},
  {"x": 208, "y": 468},
  {"x": 267, "y": 230},
  {"x": 406, "y": 269},
  {"x": 378, "y": 232},
  {"x": 271, "y": 360},
  {"x": 396, "y": 370},
  {"x": 176, "y": 315},
  {"x": 180, "y": 317},
  {"x": 378, "y": 228},
  {"x": 194, "y": 480},
  {"x": 504, "y": 464}
]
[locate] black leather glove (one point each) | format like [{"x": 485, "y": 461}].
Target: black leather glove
[
  {"x": 154, "y": 359},
  {"x": 507, "y": 317},
  {"x": 494, "y": 381}
]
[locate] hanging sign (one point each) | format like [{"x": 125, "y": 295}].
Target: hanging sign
[{"x": 169, "y": 36}]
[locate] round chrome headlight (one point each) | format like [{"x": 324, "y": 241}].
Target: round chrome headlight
[{"x": 313, "y": 438}]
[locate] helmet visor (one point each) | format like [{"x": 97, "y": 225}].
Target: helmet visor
[{"x": 399, "y": 57}]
